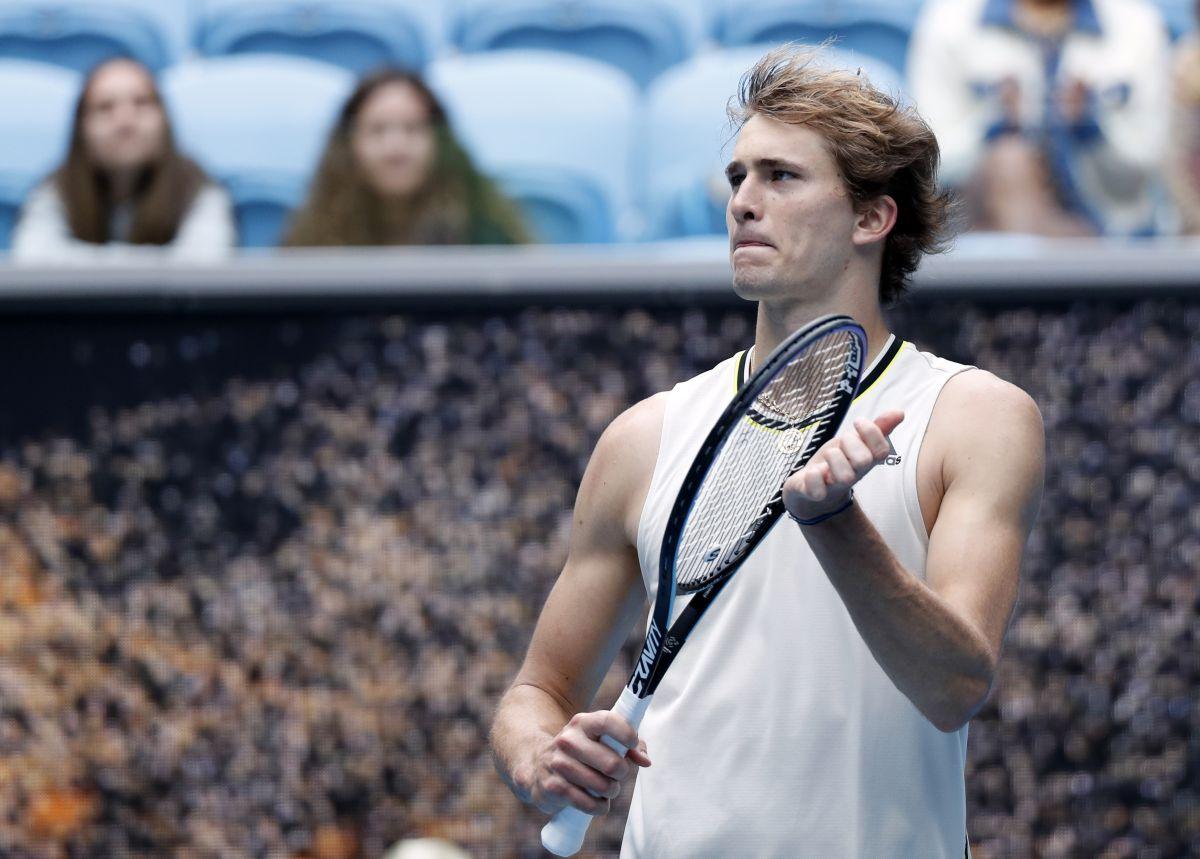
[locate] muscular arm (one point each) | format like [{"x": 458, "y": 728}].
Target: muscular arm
[
  {"x": 596, "y": 601},
  {"x": 939, "y": 639}
]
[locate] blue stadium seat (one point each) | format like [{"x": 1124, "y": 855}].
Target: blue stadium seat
[
  {"x": 689, "y": 138},
  {"x": 555, "y": 130},
  {"x": 258, "y": 124},
  {"x": 877, "y": 29},
  {"x": 1180, "y": 15},
  {"x": 358, "y": 35},
  {"x": 79, "y": 34},
  {"x": 35, "y": 126},
  {"x": 642, "y": 37}
]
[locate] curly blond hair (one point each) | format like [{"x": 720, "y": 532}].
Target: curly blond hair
[{"x": 880, "y": 145}]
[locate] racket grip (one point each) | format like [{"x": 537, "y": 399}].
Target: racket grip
[{"x": 564, "y": 834}]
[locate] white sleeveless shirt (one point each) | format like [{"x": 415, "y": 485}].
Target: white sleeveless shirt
[{"x": 775, "y": 733}]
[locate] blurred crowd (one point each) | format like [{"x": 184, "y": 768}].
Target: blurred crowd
[
  {"x": 1056, "y": 118},
  {"x": 273, "y": 619}
]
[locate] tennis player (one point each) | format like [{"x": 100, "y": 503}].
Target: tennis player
[{"x": 821, "y": 707}]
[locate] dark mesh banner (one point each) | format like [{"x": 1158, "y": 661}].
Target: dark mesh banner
[{"x": 263, "y": 579}]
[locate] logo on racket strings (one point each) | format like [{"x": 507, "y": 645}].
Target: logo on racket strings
[
  {"x": 790, "y": 442},
  {"x": 743, "y": 544},
  {"x": 641, "y": 674}
]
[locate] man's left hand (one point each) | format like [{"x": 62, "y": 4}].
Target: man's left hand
[{"x": 824, "y": 483}]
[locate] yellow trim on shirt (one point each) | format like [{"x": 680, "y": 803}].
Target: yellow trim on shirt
[{"x": 886, "y": 370}]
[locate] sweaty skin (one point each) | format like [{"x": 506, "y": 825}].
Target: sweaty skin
[{"x": 800, "y": 248}]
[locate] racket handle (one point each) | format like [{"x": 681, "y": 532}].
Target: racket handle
[{"x": 564, "y": 834}]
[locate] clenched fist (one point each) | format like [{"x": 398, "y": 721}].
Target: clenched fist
[{"x": 823, "y": 485}]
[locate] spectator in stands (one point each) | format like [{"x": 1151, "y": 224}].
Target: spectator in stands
[
  {"x": 394, "y": 174},
  {"x": 1184, "y": 162},
  {"x": 124, "y": 191},
  {"x": 1051, "y": 114}
]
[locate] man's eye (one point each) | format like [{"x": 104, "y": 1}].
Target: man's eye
[
  {"x": 734, "y": 181},
  {"x": 779, "y": 174}
]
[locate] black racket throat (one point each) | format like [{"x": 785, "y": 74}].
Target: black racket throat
[{"x": 664, "y": 639}]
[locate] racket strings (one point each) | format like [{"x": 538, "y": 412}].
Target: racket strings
[
  {"x": 760, "y": 453},
  {"x": 801, "y": 389}
]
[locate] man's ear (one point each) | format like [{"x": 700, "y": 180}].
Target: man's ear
[{"x": 876, "y": 218}]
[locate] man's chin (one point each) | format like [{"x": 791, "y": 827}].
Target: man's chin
[{"x": 754, "y": 286}]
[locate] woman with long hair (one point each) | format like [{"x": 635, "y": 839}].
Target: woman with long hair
[
  {"x": 124, "y": 190},
  {"x": 393, "y": 173}
]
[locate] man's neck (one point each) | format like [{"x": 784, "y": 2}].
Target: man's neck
[{"x": 776, "y": 321}]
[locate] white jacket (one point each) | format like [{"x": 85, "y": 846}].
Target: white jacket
[
  {"x": 1109, "y": 166},
  {"x": 42, "y": 235}
]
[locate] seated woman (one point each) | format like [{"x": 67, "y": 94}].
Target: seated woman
[
  {"x": 394, "y": 174},
  {"x": 124, "y": 190}
]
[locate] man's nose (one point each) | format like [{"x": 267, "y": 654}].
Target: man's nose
[{"x": 745, "y": 204}]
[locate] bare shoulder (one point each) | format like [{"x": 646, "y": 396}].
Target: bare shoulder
[
  {"x": 991, "y": 439},
  {"x": 977, "y": 401},
  {"x": 618, "y": 475},
  {"x": 641, "y": 423},
  {"x": 632, "y": 439}
]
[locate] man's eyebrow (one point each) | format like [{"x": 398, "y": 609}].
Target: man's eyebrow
[{"x": 768, "y": 163}]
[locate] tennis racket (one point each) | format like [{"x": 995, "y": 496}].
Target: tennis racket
[{"x": 731, "y": 496}]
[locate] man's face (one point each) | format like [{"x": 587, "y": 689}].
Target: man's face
[{"x": 790, "y": 217}]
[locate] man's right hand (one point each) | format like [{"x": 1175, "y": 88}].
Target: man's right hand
[
  {"x": 575, "y": 768},
  {"x": 592, "y": 610}
]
